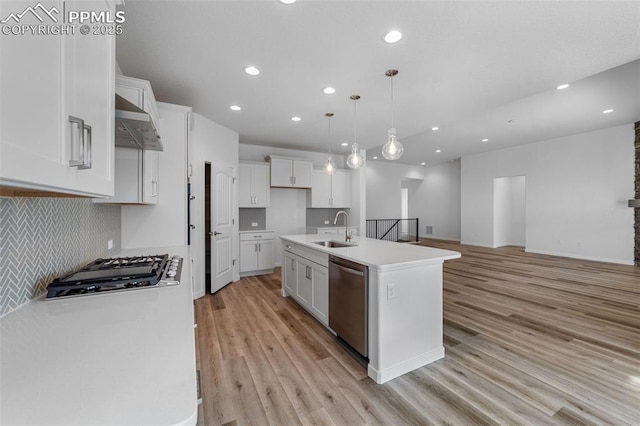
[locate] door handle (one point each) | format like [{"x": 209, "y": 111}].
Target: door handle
[{"x": 214, "y": 233}]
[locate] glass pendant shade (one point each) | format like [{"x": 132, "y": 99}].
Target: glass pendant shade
[
  {"x": 329, "y": 167},
  {"x": 355, "y": 160},
  {"x": 392, "y": 150}
]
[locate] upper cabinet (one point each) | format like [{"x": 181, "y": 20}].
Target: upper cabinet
[
  {"x": 290, "y": 172},
  {"x": 57, "y": 123},
  {"x": 330, "y": 191},
  {"x": 253, "y": 180},
  {"x": 136, "y": 170}
]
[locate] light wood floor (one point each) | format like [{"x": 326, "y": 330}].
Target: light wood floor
[{"x": 529, "y": 339}]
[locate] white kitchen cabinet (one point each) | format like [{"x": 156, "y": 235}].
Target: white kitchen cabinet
[
  {"x": 136, "y": 177},
  {"x": 256, "y": 252},
  {"x": 289, "y": 273},
  {"x": 330, "y": 191},
  {"x": 290, "y": 172},
  {"x": 136, "y": 171},
  {"x": 305, "y": 277},
  {"x": 253, "y": 190},
  {"x": 57, "y": 105}
]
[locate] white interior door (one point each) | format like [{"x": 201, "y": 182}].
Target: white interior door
[{"x": 221, "y": 226}]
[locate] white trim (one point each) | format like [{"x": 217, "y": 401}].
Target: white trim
[
  {"x": 433, "y": 237},
  {"x": 405, "y": 366},
  {"x": 581, "y": 257}
]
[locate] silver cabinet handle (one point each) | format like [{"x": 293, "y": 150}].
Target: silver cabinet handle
[
  {"x": 87, "y": 139},
  {"x": 192, "y": 226},
  {"x": 257, "y": 236},
  {"x": 308, "y": 272},
  {"x": 154, "y": 189},
  {"x": 294, "y": 180},
  {"x": 259, "y": 248},
  {"x": 293, "y": 265},
  {"x": 76, "y": 135}
]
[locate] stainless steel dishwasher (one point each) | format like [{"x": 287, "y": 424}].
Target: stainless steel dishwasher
[{"x": 348, "y": 303}]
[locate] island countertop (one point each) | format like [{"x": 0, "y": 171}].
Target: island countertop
[{"x": 377, "y": 254}]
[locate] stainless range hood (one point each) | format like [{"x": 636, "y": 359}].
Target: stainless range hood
[{"x": 135, "y": 128}]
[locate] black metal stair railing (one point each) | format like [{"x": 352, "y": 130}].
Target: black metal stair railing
[{"x": 399, "y": 230}]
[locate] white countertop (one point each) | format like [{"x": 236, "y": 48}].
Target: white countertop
[
  {"x": 124, "y": 358},
  {"x": 377, "y": 254},
  {"x": 246, "y": 231}
]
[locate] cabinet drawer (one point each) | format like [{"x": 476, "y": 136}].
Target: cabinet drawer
[
  {"x": 258, "y": 235},
  {"x": 313, "y": 255}
]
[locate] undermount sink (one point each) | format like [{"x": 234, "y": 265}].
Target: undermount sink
[{"x": 333, "y": 244}]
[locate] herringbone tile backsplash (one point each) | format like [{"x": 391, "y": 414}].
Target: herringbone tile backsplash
[{"x": 42, "y": 238}]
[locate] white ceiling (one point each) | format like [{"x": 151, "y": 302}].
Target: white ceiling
[{"x": 467, "y": 67}]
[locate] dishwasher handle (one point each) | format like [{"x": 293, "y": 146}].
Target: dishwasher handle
[{"x": 348, "y": 270}]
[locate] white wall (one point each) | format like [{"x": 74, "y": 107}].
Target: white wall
[
  {"x": 434, "y": 195},
  {"x": 509, "y": 224},
  {"x": 384, "y": 181},
  {"x": 577, "y": 189},
  {"x": 210, "y": 143},
  {"x": 435, "y": 201}
]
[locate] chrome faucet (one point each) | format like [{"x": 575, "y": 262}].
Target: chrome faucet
[{"x": 347, "y": 237}]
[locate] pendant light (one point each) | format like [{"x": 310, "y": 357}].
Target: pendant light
[
  {"x": 329, "y": 167},
  {"x": 392, "y": 150},
  {"x": 355, "y": 160}
]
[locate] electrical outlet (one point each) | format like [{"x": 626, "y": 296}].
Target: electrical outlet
[
  {"x": 391, "y": 291},
  {"x": 109, "y": 244},
  {"x": 254, "y": 224},
  {"x": 326, "y": 222}
]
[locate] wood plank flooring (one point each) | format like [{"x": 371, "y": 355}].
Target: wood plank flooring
[{"x": 530, "y": 340}]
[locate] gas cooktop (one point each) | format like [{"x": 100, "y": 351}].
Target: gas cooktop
[{"x": 118, "y": 274}]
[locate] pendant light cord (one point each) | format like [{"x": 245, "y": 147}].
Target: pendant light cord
[
  {"x": 329, "y": 137},
  {"x": 392, "y": 102},
  {"x": 355, "y": 139}
]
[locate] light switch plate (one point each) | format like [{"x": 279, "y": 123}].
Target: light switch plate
[
  {"x": 254, "y": 224},
  {"x": 109, "y": 244},
  {"x": 326, "y": 222}
]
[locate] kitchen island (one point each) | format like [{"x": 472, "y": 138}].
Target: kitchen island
[
  {"x": 121, "y": 358},
  {"x": 404, "y": 297}
]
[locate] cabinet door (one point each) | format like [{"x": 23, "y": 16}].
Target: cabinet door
[
  {"x": 320, "y": 189},
  {"x": 245, "y": 197},
  {"x": 341, "y": 189},
  {"x": 265, "y": 254},
  {"x": 320, "y": 295},
  {"x": 260, "y": 185},
  {"x": 151, "y": 174},
  {"x": 248, "y": 256},
  {"x": 305, "y": 288},
  {"x": 281, "y": 172},
  {"x": 290, "y": 274},
  {"x": 89, "y": 72},
  {"x": 45, "y": 79},
  {"x": 302, "y": 173}
]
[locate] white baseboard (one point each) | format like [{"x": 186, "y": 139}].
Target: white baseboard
[
  {"x": 468, "y": 243},
  {"x": 433, "y": 237},
  {"x": 406, "y": 366},
  {"x": 581, "y": 257}
]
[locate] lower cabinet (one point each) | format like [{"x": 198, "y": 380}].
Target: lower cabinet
[
  {"x": 256, "y": 253},
  {"x": 307, "y": 281}
]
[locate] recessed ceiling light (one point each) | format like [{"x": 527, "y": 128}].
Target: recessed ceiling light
[
  {"x": 287, "y": 1},
  {"x": 607, "y": 111},
  {"x": 251, "y": 70},
  {"x": 485, "y": 140},
  {"x": 345, "y": 144},
  {"x": 296, "y": 118},
  {"x": 423, "y": 164},
  {"x": 329, "y": 90},
  {"x": 562, "y": 86},
  {"x": 375, "y": 158},
  {"x": 435, "y": 128},
  {"x": 235, "y": 108},
  {"x": 392, "y": 36},
  {"x": 437, "y": 150}
]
